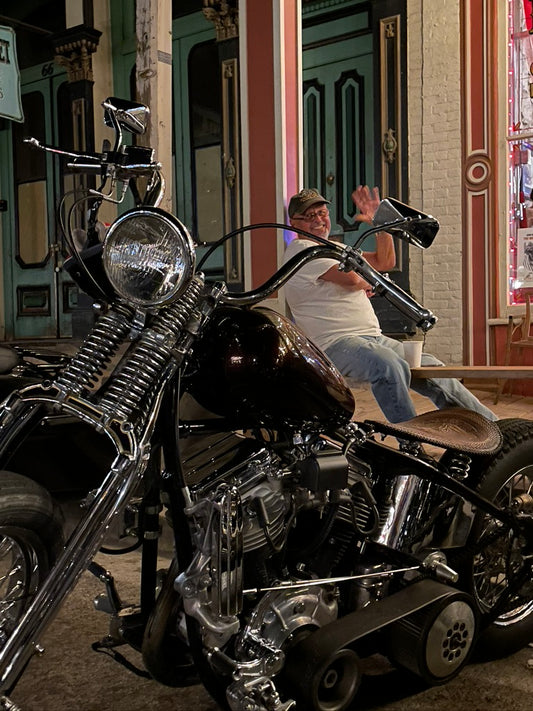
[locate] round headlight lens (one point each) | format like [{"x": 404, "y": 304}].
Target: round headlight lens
[{"x": 148, "y": 256}]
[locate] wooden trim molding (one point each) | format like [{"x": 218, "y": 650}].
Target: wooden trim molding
[
  {"x": 391, "y": 117},
  {"x": 479, "y": 184},
  {"x": 231, "y": 156}
]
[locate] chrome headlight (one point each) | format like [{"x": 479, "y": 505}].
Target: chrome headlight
[{"x": 148, "y": 256}]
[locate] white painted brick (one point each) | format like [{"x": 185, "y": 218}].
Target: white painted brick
[{"x": 435, "y": 165}]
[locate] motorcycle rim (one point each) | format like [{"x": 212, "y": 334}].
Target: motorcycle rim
[
  {"x": 493, "y": 560},
  {"x": 494, "y": 564},
  {"x": 22, "y": 565}
]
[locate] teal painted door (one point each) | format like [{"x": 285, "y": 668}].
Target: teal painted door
[
  {"x": 38, "y": 297},
  {"x": 343, "y": 96},
  {"x": 338, "y": 111},
  {"x": 201, "y": 119},
  {"x": 197, "y": 127}
]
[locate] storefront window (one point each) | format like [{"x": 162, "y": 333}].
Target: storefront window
[{"x": 520, "y": 150}]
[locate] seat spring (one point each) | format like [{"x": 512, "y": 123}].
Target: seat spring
[{"x": 459, "y": 465}]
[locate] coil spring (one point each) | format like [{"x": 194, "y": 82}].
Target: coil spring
[
  {"x": 97, "y": 350},
  {"x": 459, "y": 465},
  {"x": 133, "y": 385}
]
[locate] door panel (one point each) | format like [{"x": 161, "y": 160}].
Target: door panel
[
  {"x": 38, "y": 298},
  {"x": 343, "y": 96},
  {"x": 338, "y": 124},
  {"x": 207, "y": 154}
]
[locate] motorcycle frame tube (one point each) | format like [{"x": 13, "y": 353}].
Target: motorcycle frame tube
[
  {"x": 410, "y": 464},
  {"x": 84, "y": 542},
  {"x": 82, "y": 546},
  {"x": 150, "y": 532}
]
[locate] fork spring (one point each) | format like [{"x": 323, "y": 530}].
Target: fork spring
[
  {"x": 135, "y": 382},
  {"x": 97, "y": 350},
  {"x": 172, "y": 320}
]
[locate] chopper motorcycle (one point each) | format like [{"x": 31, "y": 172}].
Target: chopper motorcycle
[{"x": 304, "y": 540}]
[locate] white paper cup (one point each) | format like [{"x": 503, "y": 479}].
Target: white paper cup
[{"x": 413, "y": 353}]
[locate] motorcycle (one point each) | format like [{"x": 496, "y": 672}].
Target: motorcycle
[{"x": 304, "y": 541}]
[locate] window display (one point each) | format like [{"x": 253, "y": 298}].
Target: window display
[{"x": 520, "y": 153}]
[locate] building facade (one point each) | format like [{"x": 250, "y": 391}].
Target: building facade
[{"x": 253, "y": 100}]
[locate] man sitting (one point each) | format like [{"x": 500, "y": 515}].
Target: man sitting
[{"x": 333, "y": 309}]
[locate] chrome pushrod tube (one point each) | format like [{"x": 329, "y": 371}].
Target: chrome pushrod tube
[{"x": 82, "y": 545}]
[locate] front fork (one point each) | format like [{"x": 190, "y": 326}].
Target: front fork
[{"x": 82, "y": 546}]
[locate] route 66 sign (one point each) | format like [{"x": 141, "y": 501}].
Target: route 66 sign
[{"x": 10, "y": 103}]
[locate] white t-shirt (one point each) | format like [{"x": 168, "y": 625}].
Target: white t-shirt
[{"x": 326, "y": 311}]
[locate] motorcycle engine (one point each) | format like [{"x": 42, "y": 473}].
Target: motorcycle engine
[
  {"x": 253, "y": 470},
  {"x": 269, "y": 491}
]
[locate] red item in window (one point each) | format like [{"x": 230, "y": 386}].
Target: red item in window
[{"x": 528, "y": 12}]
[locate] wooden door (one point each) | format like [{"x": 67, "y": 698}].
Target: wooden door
[
  {"x": 352, "y": 103},
  {"x": 39, "y": 299}
]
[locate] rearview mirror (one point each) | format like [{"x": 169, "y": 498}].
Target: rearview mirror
[
  {"x": 128, "y": 114},
  {"x": 414, "y": 226}
]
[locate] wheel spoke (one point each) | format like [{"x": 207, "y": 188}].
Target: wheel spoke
[
  {"x": 17, "y": 573},
  {"x": 30, "y": 537},
  {"x": 497, "y": 556}
]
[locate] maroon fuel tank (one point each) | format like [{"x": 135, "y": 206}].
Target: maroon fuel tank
[{"x": 255, "y": 367}]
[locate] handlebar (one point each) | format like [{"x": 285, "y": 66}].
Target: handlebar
[
  {"x": 35, "y": 143},
  {"x": 124, "y": 163},
  {"x": 384, "y": 286},
  {"x": 127, "y": 163},
  {"x": 349, "y": 260}
]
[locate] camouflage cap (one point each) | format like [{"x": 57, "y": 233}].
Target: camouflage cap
[{"x": 299, "y": 203}]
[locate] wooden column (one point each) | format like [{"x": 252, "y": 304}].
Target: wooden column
[
  {"x": 73, "y": 49},
  {"x": 154, "y": 81},
  {"x": 271, "y": 128},
  {"x": 480, "y": 203}
]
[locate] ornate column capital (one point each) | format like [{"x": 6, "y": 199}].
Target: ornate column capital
[
  {"x": 73, "y": 49},
  {"x": 225, "y": 16}
]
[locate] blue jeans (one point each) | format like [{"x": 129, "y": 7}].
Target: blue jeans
[{"x": 379, "y": 360}]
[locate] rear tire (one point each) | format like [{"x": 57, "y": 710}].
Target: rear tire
[
  {"x": 493, "y": 552},
  {"x": 31, "y": 537}
]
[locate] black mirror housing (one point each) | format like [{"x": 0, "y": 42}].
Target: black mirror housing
[
  {"x": 414, "y": 226},
  {"x": 130, "y": 115}
]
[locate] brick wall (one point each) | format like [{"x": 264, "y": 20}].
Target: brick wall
[{"x": 434, "y": 155}]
